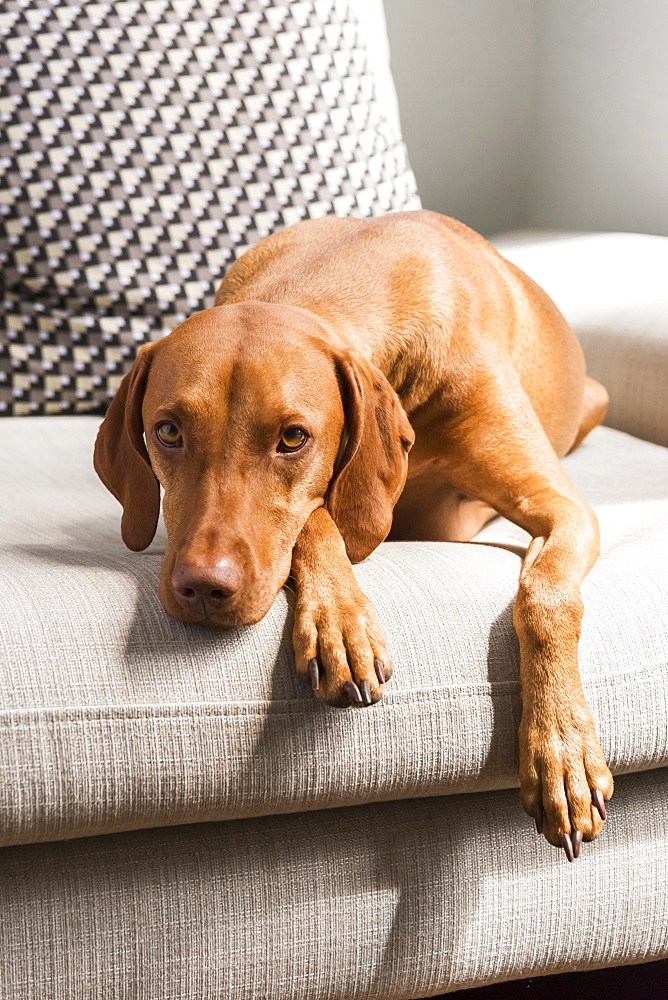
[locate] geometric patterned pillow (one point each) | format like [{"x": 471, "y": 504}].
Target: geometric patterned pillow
[{"x": 145, "y": 146}]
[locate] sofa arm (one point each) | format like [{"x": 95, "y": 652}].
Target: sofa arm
[{"x": 613, "y": 289}]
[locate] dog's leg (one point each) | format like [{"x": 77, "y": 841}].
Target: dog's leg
[
  {"x": 429, "y": 511},
  {"x": 339, "y": 645},
  {"x": 502, "y": 455},
  {"x": 564, "y": 778},
  {"x": 594, "y": 408}
]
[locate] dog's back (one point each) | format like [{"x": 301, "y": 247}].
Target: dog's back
[{"x": 422, "y": 296}]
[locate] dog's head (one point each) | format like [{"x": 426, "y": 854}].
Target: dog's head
[{"x": 249, "y": 419}]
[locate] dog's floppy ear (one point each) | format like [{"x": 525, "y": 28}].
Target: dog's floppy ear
[
  {"x": 121, "y": 459},
  {"x": 370, "y": 473}
]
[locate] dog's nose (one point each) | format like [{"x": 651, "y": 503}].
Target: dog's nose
[{"x": 206, "y": 588}]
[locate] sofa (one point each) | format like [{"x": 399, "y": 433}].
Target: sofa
[{"x": 179, "y": 817}]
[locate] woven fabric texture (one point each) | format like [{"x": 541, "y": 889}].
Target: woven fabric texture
[
  {"x": 388, "y": 901},
  {"x": 114, "y": 716},
  {"x": 146, "y": 146},
  {"x": 612, "y": 288}
]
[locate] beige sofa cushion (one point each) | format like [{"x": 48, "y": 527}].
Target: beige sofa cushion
[
  {"x": 114, "y": 716},
  {"x": 393, "y": 900}
]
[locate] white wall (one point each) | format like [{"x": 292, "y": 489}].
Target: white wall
[
  {"x": 463, "y": 72},
  {"x": 600, "y": 146},
  {"x": 536, "y": 112}
]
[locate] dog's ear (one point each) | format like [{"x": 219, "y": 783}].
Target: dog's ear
[
  {"x": 371, "y": 471},
  {"x": 121, "y": 459}
]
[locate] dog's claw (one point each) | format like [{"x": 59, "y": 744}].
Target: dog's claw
[
  {"x": 599, "y": 802},
  {"x": 314, "y": 670},
  {"x": 538, "y": 815},
  {"x": 353, "y": 692},
  {"x": 567, "y": 845},
  {"x": 366, "y": 692},
  {"x": 380, "y": 673},
  {"x": 576, "y": 839}
]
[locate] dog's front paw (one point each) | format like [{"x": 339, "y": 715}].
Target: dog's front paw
[
  {"x": 340, "y": 649},
  {"x": 564, "y": 778}
]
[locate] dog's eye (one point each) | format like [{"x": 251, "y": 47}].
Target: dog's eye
[
  {"x": 169, "y": 435},
  {"x": 292, "y": 439}
]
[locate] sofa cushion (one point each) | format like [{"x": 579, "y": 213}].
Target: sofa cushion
[
  {"x": 394, "y": 900},
  {"x": 146, "y": 145},
  {"x": 114, "y": 716}
]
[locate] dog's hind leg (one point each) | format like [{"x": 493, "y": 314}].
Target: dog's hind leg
[
  {"x": 594, "y": 408},
  {"x": 433, "y": 511}
]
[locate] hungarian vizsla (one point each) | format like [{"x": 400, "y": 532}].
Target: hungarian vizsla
[{"x": 358, "y": 379}]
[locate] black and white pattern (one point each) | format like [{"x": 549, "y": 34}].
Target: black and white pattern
[{"x": 145, "y": 146}]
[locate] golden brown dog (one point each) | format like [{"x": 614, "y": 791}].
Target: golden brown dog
[{"x": 280, "y": 424}]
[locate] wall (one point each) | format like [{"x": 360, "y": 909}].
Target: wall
[
  {"x": 536, "y": 112},
  {"x": 463, "y": 71},
  {"x": 600, "y": 145}
]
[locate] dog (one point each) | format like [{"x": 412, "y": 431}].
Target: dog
[{"x": 358, "y": 379}]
